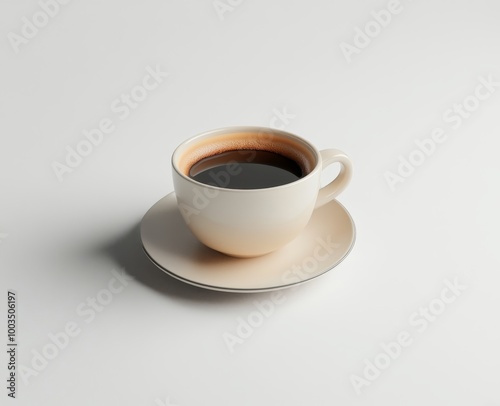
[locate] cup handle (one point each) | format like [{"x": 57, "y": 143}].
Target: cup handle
[{"x": 336, "y": 186}]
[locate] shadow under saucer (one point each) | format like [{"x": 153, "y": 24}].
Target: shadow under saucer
[{"x": 126, "y": 250}]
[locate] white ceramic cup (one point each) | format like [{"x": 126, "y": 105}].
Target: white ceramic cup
[{"x": 253, "y": 222}]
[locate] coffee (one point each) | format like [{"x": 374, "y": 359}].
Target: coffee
[
  {"x": 254, "y": 218},
  {"x": 246, "y": 169}
]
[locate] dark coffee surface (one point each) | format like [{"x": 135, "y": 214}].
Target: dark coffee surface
[{"x": 246, "y": 169}]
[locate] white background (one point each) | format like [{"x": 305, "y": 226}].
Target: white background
[{"x": 161, "y": 342}]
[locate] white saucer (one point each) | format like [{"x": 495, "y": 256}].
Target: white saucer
[{"x": 324, "y": 243}]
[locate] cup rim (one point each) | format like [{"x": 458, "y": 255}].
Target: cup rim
[{"x": 224, "y": 130}]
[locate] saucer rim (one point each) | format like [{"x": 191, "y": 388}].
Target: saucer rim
[{"x": 252, "y": 290}]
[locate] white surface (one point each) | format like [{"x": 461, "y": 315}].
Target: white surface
[{"x": 159, "y": 338}]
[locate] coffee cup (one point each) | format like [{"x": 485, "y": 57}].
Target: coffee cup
[{"x": 248, "y": 191}]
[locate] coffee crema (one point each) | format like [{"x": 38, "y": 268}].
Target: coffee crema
[
  {"x": 263, "y": 140},
  {"x": 246, "y": 169}
]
